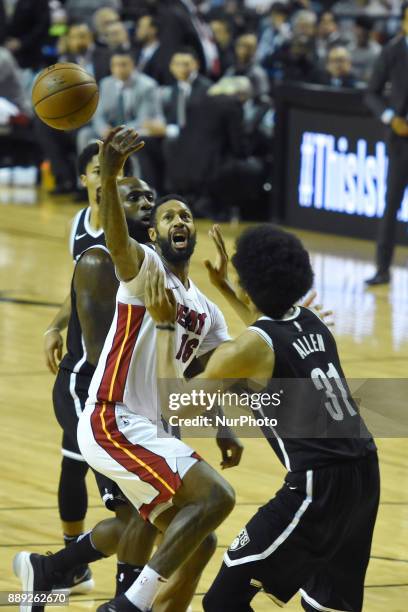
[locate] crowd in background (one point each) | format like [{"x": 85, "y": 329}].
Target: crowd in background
[{"x": 196, "y": 78}]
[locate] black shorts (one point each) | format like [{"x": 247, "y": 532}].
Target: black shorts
[
  {"x": 69, "y": 395},
  {"x": 314, "y": 536}
]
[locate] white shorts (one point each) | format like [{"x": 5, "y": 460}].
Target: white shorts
[{"x": 124, "y": 447}]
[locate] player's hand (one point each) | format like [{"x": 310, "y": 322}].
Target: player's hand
[
  {"x": 325, "y": 315},
  {"x": 218, "y": 272},
  {"x": 159, "y": 301},
  {"x": 399, "y": 125},
  {"x": 53, "y": 345},
  {"x": 120, "y": 143},
  {"x": 230, "y": 446}
]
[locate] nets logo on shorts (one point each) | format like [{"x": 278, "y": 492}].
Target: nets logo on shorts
[{"x": 240, "y": 541}]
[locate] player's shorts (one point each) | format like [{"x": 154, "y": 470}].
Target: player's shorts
[
  {"x": 314, "y": 536},
  {"x": 126, "y": 448},
  {"x": 69, "y": 395}
]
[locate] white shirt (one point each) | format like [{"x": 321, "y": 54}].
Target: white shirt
[{"x": 126, "y": 372}]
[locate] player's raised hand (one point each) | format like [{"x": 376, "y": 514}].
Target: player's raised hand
[
  {"x": 53, "y": 345},
  {"x": 159, "y": 301},
  {"x": 120, "y": 143},
  {"x": 325, "y": 315},
  {"x": 218, "y": 272}
]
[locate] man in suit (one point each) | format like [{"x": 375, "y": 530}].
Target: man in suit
[
  {"x": 179, "y": 103},
  {"x": 338, "y": 71},
  {"x": 150, "y": 55},
  {"x": 392, "y": 67},
  {"x": 126, "y": 97},
  {"x": 246, "y": 65}
]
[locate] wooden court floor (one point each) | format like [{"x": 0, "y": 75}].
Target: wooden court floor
[{"x": 35, "y": 270}]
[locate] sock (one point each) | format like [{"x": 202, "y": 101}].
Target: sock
[
  {"x": 69, "y": 539},
  {"x": 145, "y": 588},
  {"x": 125, "y": 576},
  {"x": 82, "y": 551}
]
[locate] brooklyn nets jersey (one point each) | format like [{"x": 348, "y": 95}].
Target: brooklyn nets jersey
[
  {"x": 82, "y": 238},
  {"x": 318, "y": 421},
  {"x": 82, "y": 235}
]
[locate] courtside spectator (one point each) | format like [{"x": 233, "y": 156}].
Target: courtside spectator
[
  {"x": 151, "y": 58},
  {"x": 84, "y": 10},
  {"x": 245, "y": 64},
  {"x": 338, "y": 72},
  {"x": 364, "y": 50},
  {"x": 222, "y": 32},
  {"x": 276, "y": 33}
]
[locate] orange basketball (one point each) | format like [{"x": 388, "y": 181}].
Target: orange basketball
[{"x": 65, "y": 96}]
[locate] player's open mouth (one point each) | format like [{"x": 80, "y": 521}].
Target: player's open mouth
[{"x": 179, "y": 239}]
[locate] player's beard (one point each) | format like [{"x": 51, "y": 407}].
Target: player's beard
[
  {"x": 173, "y": 256},
  {"x": 138, "y": 231}
]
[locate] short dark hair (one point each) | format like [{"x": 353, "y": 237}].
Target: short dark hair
[
  {"x": 273, "y": 267},
  {"x": 364, "y": 22},
  {"x": 89, "y": 152},
  {"x": 122, "y": 52},
  {"x": 163, "y": 200},
  {"x": 186, "y": 51},
  {"x": 279, "y": 7}
]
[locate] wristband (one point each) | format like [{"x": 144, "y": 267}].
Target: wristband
[
  {"x": 51, "y": 330},
  {"x": 166, "y": 327}
]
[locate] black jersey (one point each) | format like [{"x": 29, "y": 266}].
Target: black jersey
[
  {"x": 318, "y": 421},
  {"x": 82, "y": 238},
  {"x": 82, "y": 235}
]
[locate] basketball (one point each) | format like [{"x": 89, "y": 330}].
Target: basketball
[{"x": 65, "y": 96}]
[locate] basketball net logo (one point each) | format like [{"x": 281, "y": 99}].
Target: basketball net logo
[{"x": 240, "y": 541}]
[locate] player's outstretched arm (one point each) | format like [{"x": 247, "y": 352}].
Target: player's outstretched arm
[
  {"x": 218, "y": 273},
  {"x": 126, "y": 253},
  {"x": 95, "y": 285},
  {"x": 53, "y": 342}
]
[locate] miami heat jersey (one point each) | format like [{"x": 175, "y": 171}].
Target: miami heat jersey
[
  {"x": 82, "y": 235},
  {"x": 318, "y": 421},
  {"x": 126, "y": 371},
  {"x": 82, "y": 238}
]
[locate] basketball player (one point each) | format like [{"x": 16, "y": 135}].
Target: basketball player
[
  {"x": 40, "y": 571},
  {"x": 78, "y": 365},
  {"x": 315, "y": 535}
]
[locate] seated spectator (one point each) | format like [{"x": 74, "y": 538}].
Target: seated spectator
[
  {"x": 151, "y": 58},
  {"x": 179, "y": 103},
  {"x": 27, "y": 31},
  {"x": 101, "y": 20},
  {"x": 246, "y": 65},
  {"x": 188, "y": 89},
  {"x": 304, "y": 22},
  {"x": 222, "y": 32},
  {"x": 328, "y": 35},
  {"x": 117, "y": 39},
  {"x": 364, "y": 50},
  {"x": 276, "y": 33},
  {"x": 11, "y": 88},
  {"x": 126, "y": 97},
  {"x": 338, "y": 71},
  {"x": 295, "y": 61},
  {"x": 79, "y": 47},
  {"x": 84, "y": 10}
]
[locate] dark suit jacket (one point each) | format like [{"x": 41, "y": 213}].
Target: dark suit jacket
[
  {"x": 213, "y": 136},
  {"x": 158, "y": 66},
  {"x": 325, "y": 78},
  {"x": 177, "y": 31},
  {"x": 391, "y": 66},
  {"x": 198, "y": 90},
  {"x": 30, "y": 23},
  {"x": 2, "y": 22}
]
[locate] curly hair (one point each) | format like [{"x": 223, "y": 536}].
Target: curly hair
[{"x": 273, "y": 267}]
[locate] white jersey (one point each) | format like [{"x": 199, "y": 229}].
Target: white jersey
[{"x": 126, "y": 371}]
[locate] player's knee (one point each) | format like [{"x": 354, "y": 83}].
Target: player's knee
[{"x": 222, "y": 498}]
